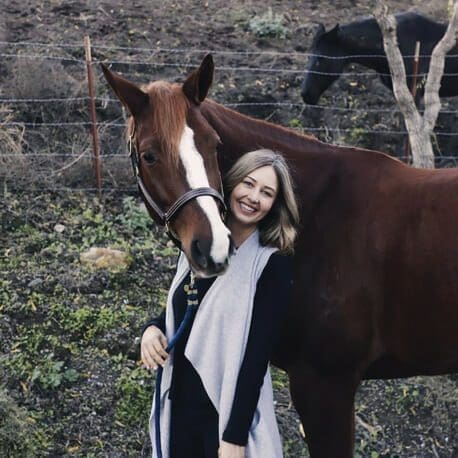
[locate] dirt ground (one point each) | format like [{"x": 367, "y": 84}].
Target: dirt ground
[{"x": 68, "y": 350}]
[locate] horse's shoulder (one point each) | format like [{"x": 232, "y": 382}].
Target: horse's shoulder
[
  {"x": 363, "y": 32},
  {"x": 419, "y": 25},
  {"x": 410, "y": 24},
  {"x": 412, "y": 27},
  {"x": 411, "y": 17},
  {"x": 361, "y": 24}
]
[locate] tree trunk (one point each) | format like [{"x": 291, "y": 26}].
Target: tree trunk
[{"x": 419, "y": 128}]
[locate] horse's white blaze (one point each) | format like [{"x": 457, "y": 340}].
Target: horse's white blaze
[{"x": 197, "y": 178}]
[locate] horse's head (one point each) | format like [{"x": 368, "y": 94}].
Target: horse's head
[
  {"x": 173, "y": 151},
  {"x": 324, "y": 65}
]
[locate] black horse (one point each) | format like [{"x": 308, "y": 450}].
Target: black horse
[{"x": 361, "y": 42}]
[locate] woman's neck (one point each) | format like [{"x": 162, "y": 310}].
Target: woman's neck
[{"x": 239, "y": 232}]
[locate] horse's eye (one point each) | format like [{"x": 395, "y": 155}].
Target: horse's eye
[{"x": 149, "y": 157}]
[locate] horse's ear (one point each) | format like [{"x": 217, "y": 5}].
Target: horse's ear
[
  {"x": 130, "y": 95},
  {"x": 320, "y": 30},
  {"x": 334, "y": 31},
  {"x": 199, "y": 81}
]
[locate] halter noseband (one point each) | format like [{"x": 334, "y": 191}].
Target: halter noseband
[{"x": 166, "y": 216}]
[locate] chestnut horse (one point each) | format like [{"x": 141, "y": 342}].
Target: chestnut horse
[{"x": 376, "y": 263}]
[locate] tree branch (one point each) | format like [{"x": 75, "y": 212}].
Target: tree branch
[
  {"x": 436, "y": 70},
  {"x": 398, "y": 73},
  {"x": 420, "y": 128}
]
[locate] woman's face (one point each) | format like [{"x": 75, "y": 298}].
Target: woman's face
[{"x": 253, "y": 197}]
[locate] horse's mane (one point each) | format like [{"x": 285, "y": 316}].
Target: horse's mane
[
  {"x": 280, "y": 135},
  {"x": 256, "y": 124}
]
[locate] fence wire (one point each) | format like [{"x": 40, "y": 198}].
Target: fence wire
[
  {"x": 62, "y": 132},
  {"x": 189, "y": 51}
]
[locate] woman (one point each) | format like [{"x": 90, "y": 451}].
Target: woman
[{"x": 217, "y": 393}]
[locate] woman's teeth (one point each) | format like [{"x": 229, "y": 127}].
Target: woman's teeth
[{"x": 247, "y": 208}]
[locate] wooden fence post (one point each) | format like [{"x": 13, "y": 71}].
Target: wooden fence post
[{"x": 95, "y": 137}]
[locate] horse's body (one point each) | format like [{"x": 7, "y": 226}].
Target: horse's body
[
  {"x": 376, "y": 267},
  {"x": 361, "y": 42}
]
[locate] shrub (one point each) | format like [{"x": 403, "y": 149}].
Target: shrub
[
  {"x": 16, "y": 429},
  {"x": 135, "y": 396},
  {"x": 269, "y": 25}
]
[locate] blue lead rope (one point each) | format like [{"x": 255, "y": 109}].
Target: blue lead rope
[{"x": 192, "y": 304}]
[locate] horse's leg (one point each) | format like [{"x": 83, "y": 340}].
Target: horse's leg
[{"x": 326, "y": 407}]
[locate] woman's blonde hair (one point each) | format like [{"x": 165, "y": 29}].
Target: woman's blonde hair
[{"x": 279, "y": 227}]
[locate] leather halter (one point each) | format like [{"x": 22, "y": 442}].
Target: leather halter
[{"x": 165, "y": 217}]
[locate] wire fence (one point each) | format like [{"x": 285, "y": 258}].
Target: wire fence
[
  {"x": 45, "y": 141},
  {"x": 219, "y": 68}
]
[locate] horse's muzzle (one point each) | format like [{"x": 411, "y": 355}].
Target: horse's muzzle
[{"x": 204, "y": 265}]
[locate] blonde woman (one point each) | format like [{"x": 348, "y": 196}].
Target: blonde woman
[{"x": 218, "y": 399}]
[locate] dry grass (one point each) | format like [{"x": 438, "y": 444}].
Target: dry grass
[{"x": 11, "y": 137}]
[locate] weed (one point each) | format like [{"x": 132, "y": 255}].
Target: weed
[
  {"x": 11, "y": 138},
  {"x": 51, "y": 374},
  {"x": 16, "y": 429},
  {"x": 134, "y": 218},
  {"x": 269, "y": 25},
  {"x": 135, "y": 394},
  {"x": 296, "y": 123},
  {"x": 279, "y": 378}
]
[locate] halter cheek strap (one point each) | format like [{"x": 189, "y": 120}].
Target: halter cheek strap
[{"x": 164, "y": 217}]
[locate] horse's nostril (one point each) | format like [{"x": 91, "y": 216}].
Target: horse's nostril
[
  {"x": 221, "y": 267},
  {"x": 198, "y": 255}
]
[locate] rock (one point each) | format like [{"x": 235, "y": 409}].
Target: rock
[
  {"x": 35, "y": 282},
  {"x": 105, "y": 258},
  {"x": 59, "y": 228}
]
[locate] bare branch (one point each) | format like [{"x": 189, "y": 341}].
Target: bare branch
[
  {"x": 401, "y": 91},
  {"x": 436, "y": 70},
  {"x": 420, "y": 128}
]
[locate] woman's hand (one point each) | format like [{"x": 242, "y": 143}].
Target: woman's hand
[
  {"x": 228, "y": 450},
  {"x": 152, "y": 347}
]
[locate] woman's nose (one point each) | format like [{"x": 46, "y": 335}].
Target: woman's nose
[{"x": 254, "y": 195}]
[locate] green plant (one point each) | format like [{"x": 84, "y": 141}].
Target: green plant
[
  {"x": 279, "y": 378},
  {"x": 86, "y": 322},
  {"x": 51, "y": 374},
  {"x": 134, "y": 218},
  {"x": 356, "y": 136},
  {"x": 16, "y": 429},
  {"x": 135, "y": 394},
  {"x": 269, "y": 25},
  {"x": 295, "y": 124}
]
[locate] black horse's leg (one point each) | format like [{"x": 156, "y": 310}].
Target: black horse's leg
[{"x": 326, "y": 407}]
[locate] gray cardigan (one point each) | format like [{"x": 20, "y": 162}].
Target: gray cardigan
[{"x": 216, "y": 347}]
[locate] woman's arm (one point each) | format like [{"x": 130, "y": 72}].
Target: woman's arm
[
  {"x": 158, "y": 321},
  {"x": 271, "y": 298}
]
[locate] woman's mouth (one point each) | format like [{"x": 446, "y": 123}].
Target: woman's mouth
[{"x": 247, "y": 208}]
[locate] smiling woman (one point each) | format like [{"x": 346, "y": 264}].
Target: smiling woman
[
  {"x": 217, "y": 398},
  {"x": 251, "y": 200},
  {"x": 263, "y": 175}
]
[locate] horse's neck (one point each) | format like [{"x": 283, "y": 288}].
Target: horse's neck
[
  {"x": 361, "y": 43},
  {"x": 240, "y": 134}
]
